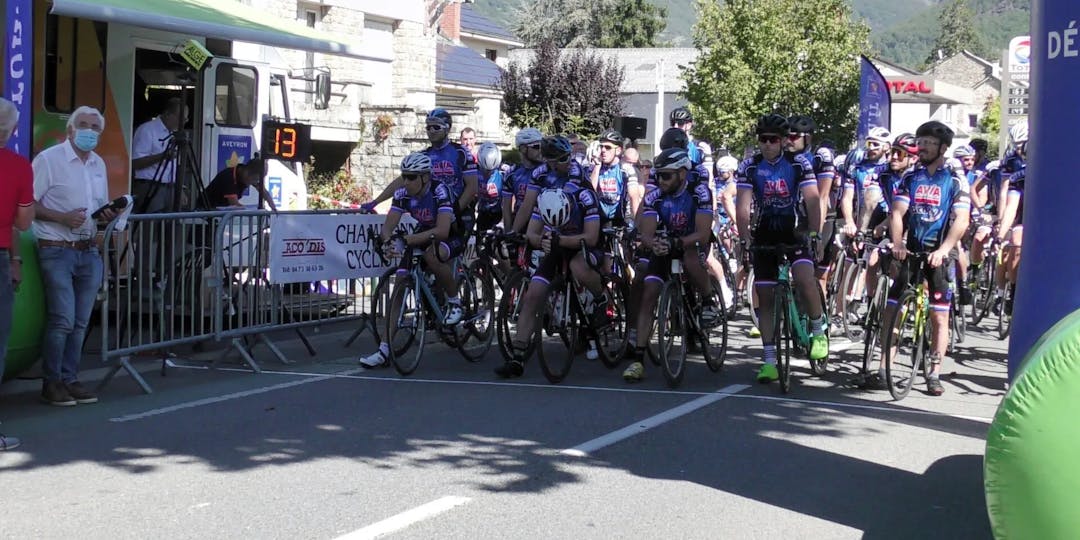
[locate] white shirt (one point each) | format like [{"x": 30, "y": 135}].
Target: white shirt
[
  {"x": 63, "y": 182},
  {"x": 148, "y": 142}
]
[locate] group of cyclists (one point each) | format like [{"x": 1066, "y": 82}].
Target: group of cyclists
[{"x": 932, "y": 212}]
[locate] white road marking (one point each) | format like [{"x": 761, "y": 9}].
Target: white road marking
[
  {"x": 219, "y": 399},
  {"x": 405, "y": 519},
  {"x": 586, "y": 448}
]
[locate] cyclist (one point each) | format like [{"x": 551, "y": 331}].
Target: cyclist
[
  {"x": 489, "y": 203},
  {"x": 610, "y": 179},
  {"x": 566, "y": 214},
  {"x": 725, "y": 191},
  {"x": 861, "y": 181},
  {"x": 774, "y": 181},
  {"x": 681, "y": 118},
  {"x": 429, "y": 203},
  {"x": 980, "y": 147},
  {"x": 553, "y": 173},
  {"x": 984, "y": 195},
  {"x": 452, "y": 166},
  {"x": 517, "y": 180},
  {"x": 1012, "y": 214},
  {"x": 684, "y": 214},
  {"x": 931, "y": 207},
  {"x": 966, "y": 156}
]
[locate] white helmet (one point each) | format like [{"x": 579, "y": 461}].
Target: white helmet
[
  {"x": 488, "y": 156},
  {"x": 1018, "y": 133},
  {"x": 554, "y": 207},
  {"x": 416, "y": 162},
  {"x": 963, "y": 151},
  {"x": 954, "y": 164},
  {"x": 528, "y": 136},
  {"x": 880, "y": 135},
  {"x": 839, "y": 161},
  {"x": 727, "y": 163}
]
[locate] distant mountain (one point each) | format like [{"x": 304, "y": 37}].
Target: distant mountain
[{"x": 901, "y": 31}]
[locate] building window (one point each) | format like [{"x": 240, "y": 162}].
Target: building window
[
  {"x": 74, "y": 64},
  {"x": 491, "y": 54},
  {"x": 973, "y": 120},
  {"x": 237, "y": 96}
]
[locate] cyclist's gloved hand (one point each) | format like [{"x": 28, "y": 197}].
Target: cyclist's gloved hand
[{"x": 369, "y": 207}]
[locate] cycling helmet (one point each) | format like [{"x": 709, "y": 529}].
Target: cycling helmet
[
  {"x": 416, "y": 162},
  {"x": 672, "y": 158},
  {"x": 979, "y": 145},
  {"x": 802, "y": 124},
  {"x": 556, "y": 147},
  {"x": 937, "y": 130},
  {"x": 528, "y": 136},
  {"x": 488, "y": 156},
  {"x": 705, "y": 148},
  {"x": 554, "y": 207},
  {"x": 440, "y": 116},
  {"x": 879, "y": 135},
  {"x": 772, "y": 123},
  {"x": 954, "y": 164},
  {"x": 839, "y": 161},
  {"x": 674, "y": 138},
  {"x": 681, "y": 115},
  {"x": 906, "y": 141},
  {"x": 963, "y": 151},
  {"x": 611, "y": 136},
  {"x": 1018, "y": 133},
  {"x": 727, "y": 163},
  {"x": 855, "y": 157}
]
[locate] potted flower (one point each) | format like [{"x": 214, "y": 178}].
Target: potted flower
[{"x": 382, "y": 125}]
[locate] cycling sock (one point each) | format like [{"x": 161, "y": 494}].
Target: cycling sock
[
  {"x": 770, "y": 354},
  {"x": 817, "y": 326},
  {"x": 384, "y": 349},
  {"x": 454, "y": 300}
]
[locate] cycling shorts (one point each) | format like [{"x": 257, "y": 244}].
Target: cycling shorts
[
  {"x": 938, "y": 279},
  {"x": 766, "y": 263},
  {"x": 455, "y": 246},
  {"x": 551, "y": 264}
]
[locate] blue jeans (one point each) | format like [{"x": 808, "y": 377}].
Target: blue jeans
[
  {"x": 72, "y": 279},
  {"x": 7, "y": 304}
]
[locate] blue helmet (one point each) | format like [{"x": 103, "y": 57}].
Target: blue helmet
[{"x": 440, "y": 115}]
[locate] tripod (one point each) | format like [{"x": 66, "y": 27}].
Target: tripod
[{"x": 187, "y": 177}]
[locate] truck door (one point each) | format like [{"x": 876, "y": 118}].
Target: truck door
[{"x": 233, "y": 95}]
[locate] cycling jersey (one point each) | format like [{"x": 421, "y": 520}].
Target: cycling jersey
[
  {"x": 1016, "y": 192},
  {"x": 676, "y": 212},
  {"x": 426, "y": 206},
  {"x": 545, "y": 178},
  {"x": 888, "y": 182},
  {"x": 861, "y": 176},
  {"x": 698, "y": 173},
  {"x": 583, "y": 208},
  {"x": 450, "y": 164},
  {"x": 516, "y": 183},
  {"x": 930, "y": 200},
  {"x": 611, "y": 190},
  {"x": 693, "y": 151},
  {"x": 488, "y": 194},
  {"x": 777, "y": 188}
]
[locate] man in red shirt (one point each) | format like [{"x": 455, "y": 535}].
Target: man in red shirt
[{"x": 16, "y": 212}]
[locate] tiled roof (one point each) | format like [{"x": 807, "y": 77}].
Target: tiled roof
[
  {"x": 473, "y": 22},
  {"x": 457, "y": 64}
]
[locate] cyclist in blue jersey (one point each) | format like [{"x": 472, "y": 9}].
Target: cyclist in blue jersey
[
  {"x": 929, "y": 214},
  {"x": 774, "y": 180},
  {"x": 451, "y": 165},
  {"x": 683, "y": 214},
  {"x": 861, "y": 182},
  {"x": 980, "y": 146},
  {"x": 699, "y": 151},
  {"x": 1011, "y": 230},
  {"x": 516, "y": 183},
  {"x": 610, "y": 179},
  {"x": 800, "y": 141},
  {"x": 725, "y": 191},
  {"x": 984, "y": 195},
  {"x": 558, "y": 168},
  {"x": 966, "y": 156},
  {"x": 430, "y": 204},
  {"x": 566, "y": 215},
  {"x": 489, "y": 201}
]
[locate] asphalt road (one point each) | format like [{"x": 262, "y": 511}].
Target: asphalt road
[{"x": 321, "y": 449}]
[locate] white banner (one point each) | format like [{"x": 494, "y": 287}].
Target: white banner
[{"x": 317, "y": 247}]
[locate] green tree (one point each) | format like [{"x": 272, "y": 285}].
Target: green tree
[
  {"x": 602, "y": 23},
  {"x": 990, "y": 125},
  {"x": 558, "y": 91},
  {"x": 789, "y": 56},
  {"x": 957, "y": 33}
]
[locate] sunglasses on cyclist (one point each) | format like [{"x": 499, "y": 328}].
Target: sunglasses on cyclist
[
  {"x": 768, "y": 139},
  {"x": 899, "y": 153},
  {"x": 564, "y": 159},
  {"x": 411, "y": 177},
  {"x": 667, "y": 175},
  {"x": 794, "y": 136},
  {"x": 535, "y": 146},
  {"x": 608, "y": 147},
  {"x": 435, "y": 127}
]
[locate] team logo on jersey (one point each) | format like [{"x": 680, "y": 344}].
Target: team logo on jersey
[
  {"x": 586, "y": 198},
  {"x": 679, "y": 221},
  {"x": 422, "y": 214},
  {"x": 492, "y": 190},
  {"x": 442, "y": 169},
  {"x": 927, "y": 194},
  {"x": 609, "y": 187},
  {"x": 777, "y": 194}
]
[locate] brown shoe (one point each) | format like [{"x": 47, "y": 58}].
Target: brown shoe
[
  {"x": 54, "y": 393},
  {"x": 80, "y": 393}
]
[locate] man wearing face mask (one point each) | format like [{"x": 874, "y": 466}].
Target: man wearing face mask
[
  {"x": 69, "y": 184},
  {"x": 153, "y": 164}
]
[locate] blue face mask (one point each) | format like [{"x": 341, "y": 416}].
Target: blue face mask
[{"x": 86, "y": 139}]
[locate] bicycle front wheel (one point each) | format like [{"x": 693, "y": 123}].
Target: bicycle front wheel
[
  {"x": 556, "y": 358},
  {"x": 671, "y": 332},
  {"x": 903, "y": 346},
  {"x": 611, "y": 341},
  {"x": 782, "y": 338},
  {"x": 852, "y": 297},
  {"x": 714, "y": 339},
  {"x": 872, "y": 329},
  {"x": 509, "y": 310},
  {"x": 406, "y": 323},
  {"x": 477, "y": 292}
]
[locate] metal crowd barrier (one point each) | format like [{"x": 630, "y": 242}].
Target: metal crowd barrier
[{"x": 187, "y": 278}]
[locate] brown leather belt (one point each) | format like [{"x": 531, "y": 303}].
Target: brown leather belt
[{"x": 80, "y": 245}]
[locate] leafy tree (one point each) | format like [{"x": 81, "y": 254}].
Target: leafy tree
[
  {"x": 788, "y": 56},
  {"x": 558, "y": 91},
  {"x": 990, "y": 125},
  {"x": 957, "y": 33},
  {"x": 602, "y": 23}
]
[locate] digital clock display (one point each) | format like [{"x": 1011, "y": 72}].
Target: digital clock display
[{"x": 286, "y": 141}]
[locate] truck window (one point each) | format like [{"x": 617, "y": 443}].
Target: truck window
[
  {"x": 74, "y": 64},
  {"x": 236, "y": 96}
]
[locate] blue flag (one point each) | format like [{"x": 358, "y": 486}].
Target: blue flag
[
  {"x": 18, "y": 72},
  {"x": 874, "y": 100}
]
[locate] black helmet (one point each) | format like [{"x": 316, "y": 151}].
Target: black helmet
[
  {"x": 674, "y": 138},
  {"x": 772, "y": 123},
  {"x": 906, "y": 141},
  {"x": 802, "y": 124},
  {"x": 440, "y": 116},
  {"x": 610, "y": 135},
  {"x": 937, "y": 130},
  {"x": 979, "y": 145},
  {"x": 672, "y": 158},
  {"x": 680, "y": 115},
  {"x": 556, "y": 147}
]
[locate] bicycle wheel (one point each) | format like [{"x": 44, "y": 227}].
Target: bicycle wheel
[
  {"x": 782, "y": 338},
  {"x": 406, "y": 323},
  {"x": 729, "y": 277},
  {"x": 556, "y": 358},
  {"x": 611, "y": 341},
  {"x": 980, "y": 296},
  {"x": 853, "y": 301},
  {"x": 1004, "y": 322},
  {"x": 749, "y": 294},
  {"x": 477, "y": 292},
  {"x": 834, "y": 284},
  {"x": 958, "y": 320},
  {"x": 714, "y": 340},
  {"x": 903, "y": 346},
  {"x": 872, "y": 329},
  {"x": 671, "y": 333},
  {"x": 509, "y": 310}
]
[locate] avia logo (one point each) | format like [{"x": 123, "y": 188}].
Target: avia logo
[
  {"x": 777, "y": 188},
  {"x": 928, "y": 194},
  {"x": 679, "y": 221},
  {"x": 609, "y": 186},
  {"x": 492, "y": 190},
  {"x": 423, "y": 215},
  {"x": 442, "y": 169}
]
